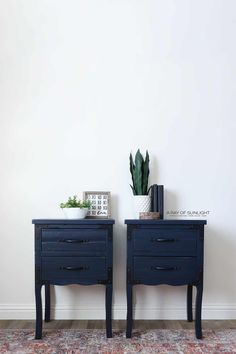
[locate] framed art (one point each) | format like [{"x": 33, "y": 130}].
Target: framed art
[{"x": 100, "y": 204}]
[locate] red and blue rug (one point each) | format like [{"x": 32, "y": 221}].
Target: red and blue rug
[{"x": 163, "y": 341}]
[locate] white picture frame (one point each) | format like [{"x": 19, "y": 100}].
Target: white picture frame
[{"x": 100, "y": 204}]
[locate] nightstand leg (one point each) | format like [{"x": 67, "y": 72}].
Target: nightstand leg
[
  {"x": 189, "y": 303},
  {"x": 129, "y": 311},
  {"x": 109, "y": 310},
  {"x": 38, "y": 299},
  {"x": 198, "y": 316},
  {"x": 47, "y": 303}
]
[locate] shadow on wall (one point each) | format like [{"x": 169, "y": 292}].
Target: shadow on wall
[
  {"x": 119, "y": 254},
  {"x": 219, "y": 268},
  {"x": 170, "y": 199}
]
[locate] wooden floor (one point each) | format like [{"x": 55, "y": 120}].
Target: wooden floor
[{"x": 117, "y": 324}]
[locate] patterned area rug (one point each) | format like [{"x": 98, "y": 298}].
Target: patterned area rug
[{"x": 94, "y": 341}]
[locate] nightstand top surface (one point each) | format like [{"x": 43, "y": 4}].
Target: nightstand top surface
[
  {"x": 73, "y": 221},
  {"x": 164, "y": 222}
]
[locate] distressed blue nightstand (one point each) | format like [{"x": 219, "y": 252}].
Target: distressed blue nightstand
[
  {"x": 72, "y": 252},
  {"x": 166, "y": 252}
]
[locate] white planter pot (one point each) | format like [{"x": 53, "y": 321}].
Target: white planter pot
[
  {"x": 142, "y": 203},
  {"x": 75, "y": 213}
]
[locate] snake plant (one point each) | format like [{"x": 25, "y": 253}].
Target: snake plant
[{"x": 139, "y": 169}]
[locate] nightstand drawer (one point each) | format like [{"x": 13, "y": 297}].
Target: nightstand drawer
[
  {"x": 74, "y": 268},
  {"x": 165, "y": 241},
  {"x": 165, "y": 270},
  {"x": 74, "y": 240}
]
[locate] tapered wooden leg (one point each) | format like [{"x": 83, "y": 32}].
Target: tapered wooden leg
[
  {"x": 198, "y": 316},
  {"x": 38, "y": 299},
  {"x": 47, "y": 303},
  {"x": 109, "y": 310},
  {"x": 189, "y": 303},
  {"x": 129, "y": 310}
]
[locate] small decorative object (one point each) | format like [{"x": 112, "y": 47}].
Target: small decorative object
[
  {"x": 152, "y": 215},
  {"x": 139, "y": 169},
  {"x": 157, "y": 199},
  {"x": 100, "y": 204},
  {"x": 74, "y": 208}
]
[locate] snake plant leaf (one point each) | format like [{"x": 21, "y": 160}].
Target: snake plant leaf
[
  {"x": 139, "y": 169},
  {"x": 133, "y": 189},
  {"x": 138, "y": 157},
  {"x": 138, "y": 173},
  {"x": 132, "y": 168},
  {"x": 145, "y": 174}
]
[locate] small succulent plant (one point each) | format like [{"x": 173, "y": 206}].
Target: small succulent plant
[
  {"x": 139, "y": 169},
  {"x": 74, "y": 202}
]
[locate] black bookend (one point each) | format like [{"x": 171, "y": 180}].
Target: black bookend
[
  {"x": 161, "y": 200},
  {"x": 154, "y": 203},
  {"x": 157, "y": 199}
]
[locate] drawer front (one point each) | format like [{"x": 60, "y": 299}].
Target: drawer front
[
  {"x": 165, "y": 270},
  {"x": 76, "y": 240},
  {"x": 77, "y": 269},
  {"x": 165, "y": 241}
]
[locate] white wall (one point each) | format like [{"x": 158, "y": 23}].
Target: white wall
[{"x": 82, "y": 83}]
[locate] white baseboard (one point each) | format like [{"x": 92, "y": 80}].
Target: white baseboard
[{"x": 27, "y": 312}]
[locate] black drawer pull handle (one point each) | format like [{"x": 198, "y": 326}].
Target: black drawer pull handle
[
  {"x": 73, "y": 241},
  {"x": 164, "y": 268},
  {"x": 74, "y": 268},
  {"x": 163, "y": 240}
]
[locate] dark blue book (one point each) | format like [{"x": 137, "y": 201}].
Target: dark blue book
[{"x": 157, "y": 199}]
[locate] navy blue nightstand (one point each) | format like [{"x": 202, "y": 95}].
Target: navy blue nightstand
[
  {"x": 72, "y": 252},
  {"x": 166, "y": 252}
]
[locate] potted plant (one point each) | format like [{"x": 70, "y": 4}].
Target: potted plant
[
  {"x": 139, "y": 169},
  {"x": 74, "y": 208}
]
